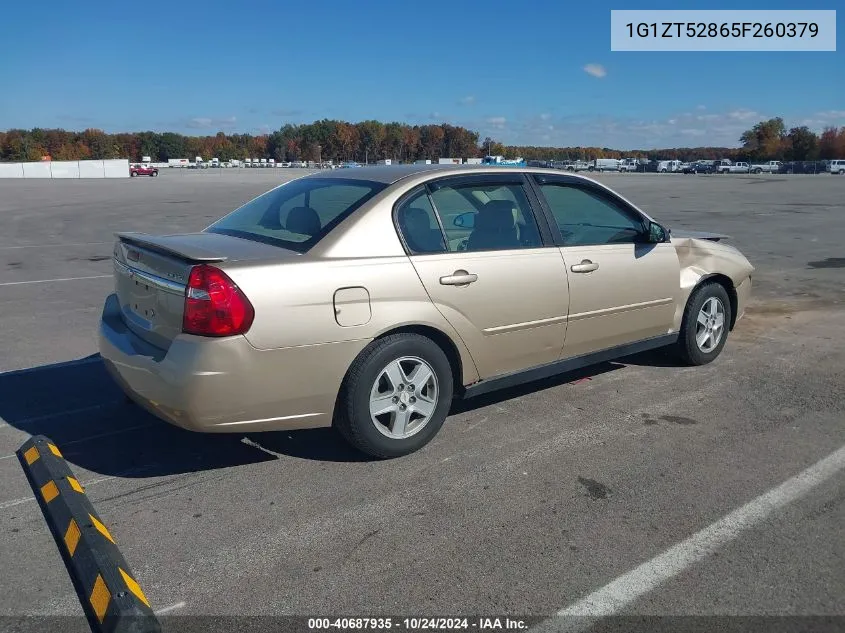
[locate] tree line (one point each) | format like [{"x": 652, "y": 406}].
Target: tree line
[{"x": 368, "y": 141}]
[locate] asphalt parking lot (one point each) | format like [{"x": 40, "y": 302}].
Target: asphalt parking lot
[{"x": 525, "y": 503}]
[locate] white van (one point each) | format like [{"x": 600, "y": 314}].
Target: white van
[
  {"x": 836, "y": 167},
  {"x": 604, "y": 164}
]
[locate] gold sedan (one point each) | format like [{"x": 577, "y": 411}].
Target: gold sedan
[{"x": 367, "y": 299}]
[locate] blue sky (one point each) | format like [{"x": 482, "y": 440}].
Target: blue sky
[{"x": 516, "y": 70}]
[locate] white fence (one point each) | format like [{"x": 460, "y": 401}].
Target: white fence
[{"x": 67, "y": 169}]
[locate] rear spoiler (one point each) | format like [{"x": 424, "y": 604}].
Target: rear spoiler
[
  {"x": 700, "y": 235},
  {"x": 182, "y": 246}
]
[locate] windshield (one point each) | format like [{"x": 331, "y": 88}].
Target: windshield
[{"x": 298, "y": 214}]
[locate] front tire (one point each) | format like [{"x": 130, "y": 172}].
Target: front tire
[
  {"x": 705, "y": 326},
  {"x": 395, "y": 397},
  {"x": 154, "y": 174}
]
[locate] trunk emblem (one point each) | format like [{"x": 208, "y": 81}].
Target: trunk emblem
[{"x": 133, "y": 255}]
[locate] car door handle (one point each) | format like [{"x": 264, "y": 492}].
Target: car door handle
[
  {"x": 458, "y": 278},
  {"x": 586, "y": 266}
]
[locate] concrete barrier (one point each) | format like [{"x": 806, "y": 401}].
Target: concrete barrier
[
  {"x": 11, "y": 170},
  {"x": 117, "y": 168},
  {"x": 92, "y": 169},
  {"x": 36, "y": 170},
  {"x": 110, "y": 596},
  {"x": 64, "y": 169}
]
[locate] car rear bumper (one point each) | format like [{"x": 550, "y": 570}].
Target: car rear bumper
[{"x": 225, "y": 385}]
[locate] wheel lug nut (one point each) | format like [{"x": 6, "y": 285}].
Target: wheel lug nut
[
  {"x": 401, "y": 386},
  {"x": 402, "y": 407},
  {"x": 412, "y": 400},
  {"x": 410, "y": 387},
  {"x": 395, "y": 399}
]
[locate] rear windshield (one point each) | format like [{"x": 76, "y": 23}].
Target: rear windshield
[{"x": 297, "y": 214}]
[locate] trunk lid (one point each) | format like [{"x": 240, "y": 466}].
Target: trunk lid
[{"x": 151, "y": 274}]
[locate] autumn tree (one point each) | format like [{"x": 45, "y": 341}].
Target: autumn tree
[
  {"x": 765, "y": 140},
  {"x": 372, "y": 135},
  {"x": 832, "y": 143},
  {"x": 802, "y": 144},
  {"x": 431, "y": 139}
]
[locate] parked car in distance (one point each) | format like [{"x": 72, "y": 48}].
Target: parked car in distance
[
  {"x": 836, "y": 167},
  {"x": 699, "y": 167},
  {"x": 604, "y": 164},
  {"x": 143, "y": 170},
  {"x": 367, "y": 299},
  {"x": 804, "y": 167},
  {"x": 733, "y": 168},
  {"x": 770, "y": 167}
]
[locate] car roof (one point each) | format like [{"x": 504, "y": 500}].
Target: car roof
[{"x": 387, "y": 174}]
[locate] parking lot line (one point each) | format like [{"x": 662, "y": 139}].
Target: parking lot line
[
  {"x": 631, "y": 586},
  {"x": 96, "y": 437},
  {"x": 172, "y": 607},
  {"x": 48, "y": 281},
  {"x": 93, "y": 358},
  {"x": 10, "y": 248},
  {"x": 85, "y": 484}
]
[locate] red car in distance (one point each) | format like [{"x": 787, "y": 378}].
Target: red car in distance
[{"x": 143, "y": 170}]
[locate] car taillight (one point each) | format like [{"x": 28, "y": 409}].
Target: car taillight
[{"x": 214, "y": 305}]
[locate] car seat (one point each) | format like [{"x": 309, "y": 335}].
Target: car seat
[
  {"x": 495, "y": 227},
  {"x": 303, "y": 220},
  {"x": 418, "y": 232}
]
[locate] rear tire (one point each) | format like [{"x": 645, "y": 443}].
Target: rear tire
[
  {"x": 133, "y": 174},
  {"x": 392, "y": 375},
  {"x": 705, "y": 326},
  {"x": 154, "y": 174}
]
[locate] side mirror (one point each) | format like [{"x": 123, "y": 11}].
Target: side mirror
[
  {"x": 657, "y": 234},
  {"x": 465, "y": 220}
]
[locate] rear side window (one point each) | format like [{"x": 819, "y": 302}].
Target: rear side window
[
  {"x": 298, "y": 214},
  {"x": 418, "y": 225},
  {"x": 485, "y": 216}
]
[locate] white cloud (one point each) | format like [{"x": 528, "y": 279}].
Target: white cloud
[
  {"x": 596, "y": 70},
  {"x": 545, "y": 116},
  {"x": 744, "y": 114},
  {"x": 468, "y": 100},
  {"x": 207, "y": 123},
  {"x": 700, "y": 107},
  {"x": 497, "y": 121}
]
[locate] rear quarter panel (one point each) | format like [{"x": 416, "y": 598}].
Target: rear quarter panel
[{"x": 295, "y": 303}]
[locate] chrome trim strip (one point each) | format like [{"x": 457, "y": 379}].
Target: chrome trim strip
[
  {"x": 617, "y": 309},
  {"x": 151, "y": 280},
  {"x": 501, "y": 329}
]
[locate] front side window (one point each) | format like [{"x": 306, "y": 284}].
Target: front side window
[
  {"x": 585, "y": 217},
  {"x": 298, "y": 214},
  {"x": 485, "y": 216}
]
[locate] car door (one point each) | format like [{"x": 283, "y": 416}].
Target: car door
[
  {"x": 622, "y": 288},
  {"x": 489, "y": 267}
]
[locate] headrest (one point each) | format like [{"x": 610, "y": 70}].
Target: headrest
[
  {"x": 303, "y": 220},
  {"x": 496, "y": 215},
  {"x": 414, "y": 218}
]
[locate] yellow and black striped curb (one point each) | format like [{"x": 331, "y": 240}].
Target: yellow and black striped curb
[{"x": 110, "y": 595}]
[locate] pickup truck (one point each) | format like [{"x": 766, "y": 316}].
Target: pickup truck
[
  {"x": 771, "y": 167},
  {"x": 733, "y": 168}
]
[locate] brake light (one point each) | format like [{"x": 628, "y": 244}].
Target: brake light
[{"x": 214, "y": 305}]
